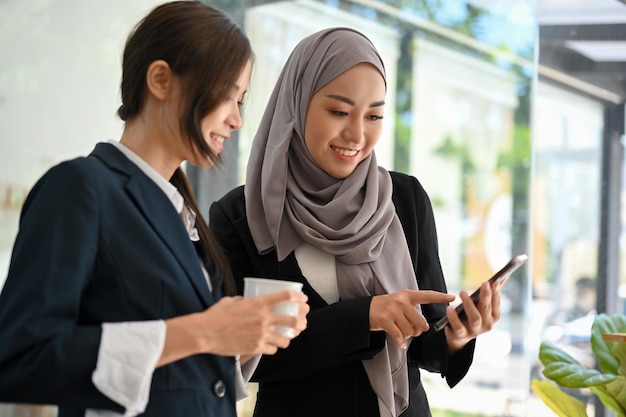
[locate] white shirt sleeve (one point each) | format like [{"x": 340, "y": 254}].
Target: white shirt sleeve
[
  {"x": 127, "y": 358},
  {"x": 243, "y": 374}
]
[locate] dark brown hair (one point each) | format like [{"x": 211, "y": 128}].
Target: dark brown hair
[
  {"x": 202, "y": 46},
  {"x": 208, "y": 52},
  {"x": 213, "y": 256}
]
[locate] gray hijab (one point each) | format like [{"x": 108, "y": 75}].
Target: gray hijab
[{"x": 290, "y": 200}]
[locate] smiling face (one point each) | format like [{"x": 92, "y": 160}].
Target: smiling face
[
  {"x": 223, "y": 119},
  {"x": 344, "y": 120}
]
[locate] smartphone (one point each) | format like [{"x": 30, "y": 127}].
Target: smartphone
[{"x": 499, "y": 276}]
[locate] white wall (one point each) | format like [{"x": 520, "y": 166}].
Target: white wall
[{"x": 60, "y": 68}]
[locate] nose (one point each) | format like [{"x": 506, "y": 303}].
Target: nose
[
  {"x": 234, "y": 118},
  {"x": 354, "y": 131}
]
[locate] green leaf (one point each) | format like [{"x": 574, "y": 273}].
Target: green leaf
[
  {"x": 575, "y": 375},
  {"x": 619, "y": 351},
  {"x": 562, "y": 404},
  {"x": 602, "y": 324},
  {"x": 617, "y": 390},
  {"x": 550, "y": 352},
  {"x": 608, "y": 383},
  {"x": 612, "y": 395}
]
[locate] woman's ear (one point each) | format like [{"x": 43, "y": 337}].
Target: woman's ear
[{"x": 159, "y": 79}]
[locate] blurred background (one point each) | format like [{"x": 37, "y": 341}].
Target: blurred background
[{"x": 510, "y": 113}]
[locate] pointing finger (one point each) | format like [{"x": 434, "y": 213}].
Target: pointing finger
[{"x": 429, "y": 296}]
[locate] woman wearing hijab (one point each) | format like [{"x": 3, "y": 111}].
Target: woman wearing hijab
[{"x": 316, "y": 208}]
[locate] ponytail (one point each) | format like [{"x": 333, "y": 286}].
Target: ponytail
[{"x": 212, "y": 256}]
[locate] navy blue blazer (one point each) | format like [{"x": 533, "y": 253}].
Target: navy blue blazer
[
  {"x": 321, "y": 373},
  {"x": 99, "y": 242}
]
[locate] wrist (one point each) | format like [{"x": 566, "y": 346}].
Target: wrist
[
  {"x": 454, "y": 344},
  {"x": 196, "y": 334},
  {"x": 374, "y": 326},
  {"x": 181, "y": 340}
]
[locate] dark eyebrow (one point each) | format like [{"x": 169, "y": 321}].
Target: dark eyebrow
[{"x": 351, "y": 102}]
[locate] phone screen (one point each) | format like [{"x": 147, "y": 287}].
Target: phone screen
[{"x": 499, "y": 276}]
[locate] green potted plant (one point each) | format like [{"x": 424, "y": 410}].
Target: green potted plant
[{"x": 563, "y": 371}]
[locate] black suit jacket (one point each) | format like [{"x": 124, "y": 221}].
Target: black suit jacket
[
  {"x": 320, "y": 373},
  {"x": 100, "y": 242}
]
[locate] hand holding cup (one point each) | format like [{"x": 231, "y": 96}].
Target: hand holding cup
[{"x": 262, "y": 286}]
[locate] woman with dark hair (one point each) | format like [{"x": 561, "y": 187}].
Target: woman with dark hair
[
  {"x": 114, "y": 301},
  {"x": 317, "y": 208}
]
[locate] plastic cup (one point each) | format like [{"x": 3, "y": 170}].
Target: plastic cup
[{"x": 261, "y": 286}]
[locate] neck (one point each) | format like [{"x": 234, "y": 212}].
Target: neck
[{"x": 150, "y": 145}]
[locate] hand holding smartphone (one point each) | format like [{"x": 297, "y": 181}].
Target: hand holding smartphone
[{"x": 499, "y": 276}]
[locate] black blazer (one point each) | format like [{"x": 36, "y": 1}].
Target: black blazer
[
  {"x": 100, "y": 242},
  {"x": 321, "y": 373}
]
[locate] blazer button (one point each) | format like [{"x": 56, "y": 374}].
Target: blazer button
[{"x": 219, "y": 389}]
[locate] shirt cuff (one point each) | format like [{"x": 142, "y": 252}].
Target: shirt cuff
[
  {"x": 127, "y": 358},
  {"x": 243, "y": 373}
]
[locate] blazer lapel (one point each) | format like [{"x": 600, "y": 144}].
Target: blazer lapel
[{"x": 160, "y": 212}]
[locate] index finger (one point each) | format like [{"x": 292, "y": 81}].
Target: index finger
[{"x": 430, "y": 296}]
